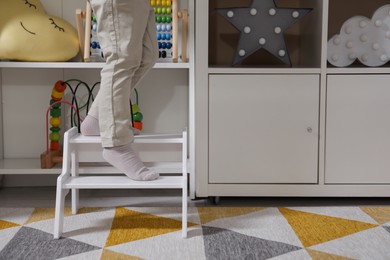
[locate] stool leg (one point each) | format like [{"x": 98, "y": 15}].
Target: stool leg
[
  {"x": 184, "y": 212},
  {"x": 75, "y": 173},
  {"x": 59, "y": 210},
  {"x": 185, "y": 185}
]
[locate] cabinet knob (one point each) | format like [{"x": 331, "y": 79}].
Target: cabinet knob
[{"x": 309, "y": 129}]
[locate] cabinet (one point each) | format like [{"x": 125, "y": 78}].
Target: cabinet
[
  {"x": 268, "y": 121},
  {"x": 357, "y": 129},
  {"x": 263, "y": 128},
  {"x": 164, "y": 97}
]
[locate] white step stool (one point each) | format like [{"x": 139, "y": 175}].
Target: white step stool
[{"x": 75, "y": 143}]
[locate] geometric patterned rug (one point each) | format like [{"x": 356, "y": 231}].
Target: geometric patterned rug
[{"x": 214, "y": 233}]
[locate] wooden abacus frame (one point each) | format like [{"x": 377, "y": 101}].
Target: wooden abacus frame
[{"x": 84, "y": 32}]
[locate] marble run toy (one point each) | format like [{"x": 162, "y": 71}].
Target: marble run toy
[{"x": 79, "y": 103}]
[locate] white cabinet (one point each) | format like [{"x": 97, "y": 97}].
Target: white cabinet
[
  {"x": 266, "y": 129},
  {"x": 263, "y": 128},
  {"x": 358, "y": 129}
]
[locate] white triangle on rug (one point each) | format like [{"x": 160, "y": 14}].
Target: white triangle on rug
[
  {"x": 16, "y": 215},
  {"x": 91, "y": 228},
  {"x": 368, "y": 244},
  {"x": 347, "y": 212},
  {"x": 260, "y": 224},
  {"x": 299, "y": 254},
  {"x": 6, "y": 235},
  {"x": 96, "y": 254},
  {"x": 167, "y": 246},
  {"x": 170, "y": 212}
]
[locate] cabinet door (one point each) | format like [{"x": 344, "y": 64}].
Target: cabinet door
[
  {"x": 263, "y": 128},
  {"x": 358, "y": 129}
]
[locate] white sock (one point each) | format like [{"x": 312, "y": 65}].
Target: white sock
[
  {"x": 127, "y": 161},
  {"x": 90, "y": 126}
]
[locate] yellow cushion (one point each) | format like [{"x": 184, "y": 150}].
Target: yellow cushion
[{"x": 27, "y": 33}]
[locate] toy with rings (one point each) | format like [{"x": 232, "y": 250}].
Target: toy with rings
[{"x": 53, "y": 153}]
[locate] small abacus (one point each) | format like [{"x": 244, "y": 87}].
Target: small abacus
[
  {"x": 89, "y": 43},
  {"x": 95, "y": 52},
  {"x": 167, "y": 27},
  {"x": 163, "y": 13}
]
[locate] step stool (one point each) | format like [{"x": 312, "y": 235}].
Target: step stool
[{"x": 75, "y": 145}]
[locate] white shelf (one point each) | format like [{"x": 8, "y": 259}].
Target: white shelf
[
  {"x": 26, "y": 166},
  {"x": 264, "y": 70},
  {"x": 361, "y": 70},
  {"x": 80, "y": 65}
]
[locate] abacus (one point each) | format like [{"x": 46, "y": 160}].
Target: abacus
[
  {"x": 167, "y": 26},
  {"x": 89, "y": 43}
]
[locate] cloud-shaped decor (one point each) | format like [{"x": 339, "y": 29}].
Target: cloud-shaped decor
[
  {"x": 27, "y": 33},
  {"x": 367, "y": 40}
]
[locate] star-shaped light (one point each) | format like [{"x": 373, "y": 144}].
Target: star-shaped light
[{"x": 262, "y": 25}]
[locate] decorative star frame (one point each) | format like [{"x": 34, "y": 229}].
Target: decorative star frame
[{"x": 262, "y": 25}]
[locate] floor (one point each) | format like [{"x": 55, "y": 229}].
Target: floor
[{"x": 44, "y": 197}]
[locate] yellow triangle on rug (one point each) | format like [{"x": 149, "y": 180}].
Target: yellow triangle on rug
[
  {"x": 6, "y": 224},
  {"x": 379, "y": 214},
  {"x": 129, "y": 225},
  {"x": 313, "y": 229},
  {"x": 208, "y": 214},
  {"x": 40, "y": 214},
  {"x": 317, "y": 255},
  {"x": 111, "y": 255}
]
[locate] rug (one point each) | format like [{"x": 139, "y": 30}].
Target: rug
[{"x": 214, "y": 233}]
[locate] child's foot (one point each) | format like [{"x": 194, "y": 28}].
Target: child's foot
[
  {"x": 90, "y": 126},
  {"x": 127, "y": 161}
]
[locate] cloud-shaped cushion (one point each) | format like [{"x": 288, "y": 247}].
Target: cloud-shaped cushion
[
  {"x": 27, "y": 33},
  {"x": 367, "y": 40}
]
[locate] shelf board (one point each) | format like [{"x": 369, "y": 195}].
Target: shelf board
[
  {"x": 359, "y": 70},
  {"x": 264, "y": 70},
  {"x": 80, "y": 65},
  {"x": 25, "y": 166}
]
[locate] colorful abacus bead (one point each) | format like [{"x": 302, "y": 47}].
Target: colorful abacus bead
[
  {"x": 138, "y": 125},
  {"x": 55, "y": 121},
  {"x": 137, "y": 117},
  {"x": 58, "y": 90},
  {"x": 54, "y": 146}
]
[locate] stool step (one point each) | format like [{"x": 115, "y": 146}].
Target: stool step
[
  {"x": 122, "y": 182},
  {"x": 143, "y": 138},
  {"x": 104, "y": 168}
]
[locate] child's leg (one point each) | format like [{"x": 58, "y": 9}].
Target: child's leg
[
  {"x": 90, "y": 125},
  {"x": 121, "y": 25}
]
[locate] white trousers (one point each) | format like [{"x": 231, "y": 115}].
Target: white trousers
[{"x": 126, "y": 32}]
